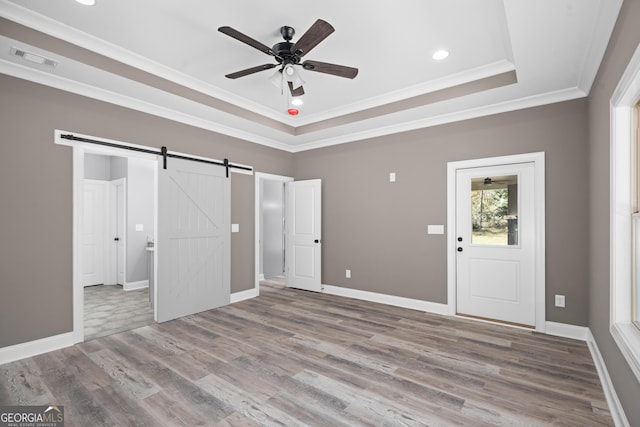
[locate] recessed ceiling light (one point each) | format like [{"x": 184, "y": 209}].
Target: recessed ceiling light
[
  {"x": 297, "y": 101},
  {"x": 440, "y": 54},
  {"x": 87, "y": 2}
]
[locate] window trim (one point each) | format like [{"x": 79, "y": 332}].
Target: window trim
[{"x": 623, "y": 100}]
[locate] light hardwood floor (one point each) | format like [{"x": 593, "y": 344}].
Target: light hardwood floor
[{"x": 291, "y": 358}]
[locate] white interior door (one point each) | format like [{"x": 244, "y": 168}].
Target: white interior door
[
  {"x": 193, "y": 242},
  {"x": 303, "y": 255},
  {"x": 495, "y": 232},
  {"x": 94, "y": 230}
]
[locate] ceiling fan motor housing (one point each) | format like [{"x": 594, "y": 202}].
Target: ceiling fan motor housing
[{"x": 283, "y": 53}]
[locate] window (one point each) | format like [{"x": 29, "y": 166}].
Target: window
[
  {"x": 494, "y": 210},
  {"x": 625, "y": 216}
]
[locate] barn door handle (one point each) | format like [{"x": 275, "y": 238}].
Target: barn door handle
[{"x": 316, "y": 241}]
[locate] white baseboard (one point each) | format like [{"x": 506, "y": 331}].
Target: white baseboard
[
  {"x": 426, "y": 306},
  {"x": 617, "y": 412},
  {"x": 243, "y": 295},
  {"x": 33, "y": 348},
  {"x": 133, "y": 286},
  {"x": 567, "y": 331}
]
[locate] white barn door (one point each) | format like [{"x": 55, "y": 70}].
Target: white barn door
[
  {"x": 303, "y": 254},
  {"x": 193, "y": 242}
]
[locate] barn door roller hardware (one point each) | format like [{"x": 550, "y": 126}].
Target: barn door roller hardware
[{"x": 163, "y": 152}]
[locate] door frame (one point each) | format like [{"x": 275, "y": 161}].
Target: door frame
[
  {"x": 259, "y": 177},
  {"x": 538, "y": 160},
  {"x": 79, "y": 150}
]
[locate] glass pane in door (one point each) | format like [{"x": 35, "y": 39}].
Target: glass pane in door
[{"x": 494, "y": 210}]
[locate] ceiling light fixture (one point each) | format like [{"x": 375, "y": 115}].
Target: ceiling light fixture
[
  {"x": 297, "y": 101},
  {"x": 439, "y": 55},
  {"x": 87, "y": 2}
]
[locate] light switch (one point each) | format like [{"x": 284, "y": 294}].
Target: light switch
[
  {"x": 392, "y": 177},
  {"x": 139, "y": 227},
  {"x": 435, "y": 229},
  {"x": 235, "y": 228}
]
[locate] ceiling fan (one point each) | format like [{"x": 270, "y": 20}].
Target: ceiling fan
[{"x": 288, "y": 55}]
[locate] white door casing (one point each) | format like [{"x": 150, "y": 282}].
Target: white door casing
[
  {"x": 94, "y": 236},
  {"x": 193, "y": 241},
  {"x": 303, "y": 255},
  {"x": 496, "y": 281}
]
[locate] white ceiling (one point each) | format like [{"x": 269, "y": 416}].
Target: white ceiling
[{"x": 554, "y": 46}]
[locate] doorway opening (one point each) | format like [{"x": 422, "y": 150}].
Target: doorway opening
[
  {"x": 270, "y": 238},
  {"x": 118, "y": 233},
  {"x": 496, "y": 247}
]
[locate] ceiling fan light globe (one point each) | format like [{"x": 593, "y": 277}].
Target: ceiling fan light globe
[
  {"x": 276, "y": 79},
  {"x": 296, "y": 81},
  {"x": 289, "y": 70}
]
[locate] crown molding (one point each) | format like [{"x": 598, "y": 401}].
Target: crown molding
[
  {"x": 485, "y": 110},
  {"x": 87, "y": 41},
  {"x": 68, "y": 85}
]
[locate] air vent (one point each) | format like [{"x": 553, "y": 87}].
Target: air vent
[{"x": 32, "y": 57}]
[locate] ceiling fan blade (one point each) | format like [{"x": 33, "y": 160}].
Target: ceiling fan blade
[
  {"x": 246, "y": 39},
  {"x": 319, "y": 31},
  {"x": 251, "y": 70},
  {"x": 299, "y": 91},
  {"x": 334, "y": 69}
]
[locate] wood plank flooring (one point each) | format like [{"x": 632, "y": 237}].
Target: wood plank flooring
[{"x": 295, "y": 358}]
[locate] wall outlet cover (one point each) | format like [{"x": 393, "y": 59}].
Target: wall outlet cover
[
  {"x": 347, "y": 274},
  {"x": 435, "y": 229},
  {"x": 560, "y": 301},
  {"x": 235, "y": 228}
]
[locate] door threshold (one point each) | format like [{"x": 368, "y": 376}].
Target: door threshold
[{"x": 497, "y": 322}]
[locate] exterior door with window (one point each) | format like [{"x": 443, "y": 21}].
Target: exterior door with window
[{"x": 495, "y": 246}]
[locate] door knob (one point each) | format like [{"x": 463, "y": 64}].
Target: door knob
[
  {"x": 459, "y": 249},
  {"x": 316, "y": 241},
  {"x": 117, "y": 239},
  {"x": 459, "y": 239}
]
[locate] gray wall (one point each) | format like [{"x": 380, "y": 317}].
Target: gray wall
[
  {"x": 140, "y": 210},
  {"x": 119, "y": 167},
  {"x": 377, "y": 229},
  {"x": 36, "y": 179},
  {"x": 97, "y": 167},
  {"x": 622, "y": 45},
  {"x": 272, "y": 215}
]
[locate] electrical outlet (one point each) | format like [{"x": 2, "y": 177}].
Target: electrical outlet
[
  {"x": 392, "y": 177},
  {"x": 347, "y": 274},
  {"x": 560, "y": 301}
]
